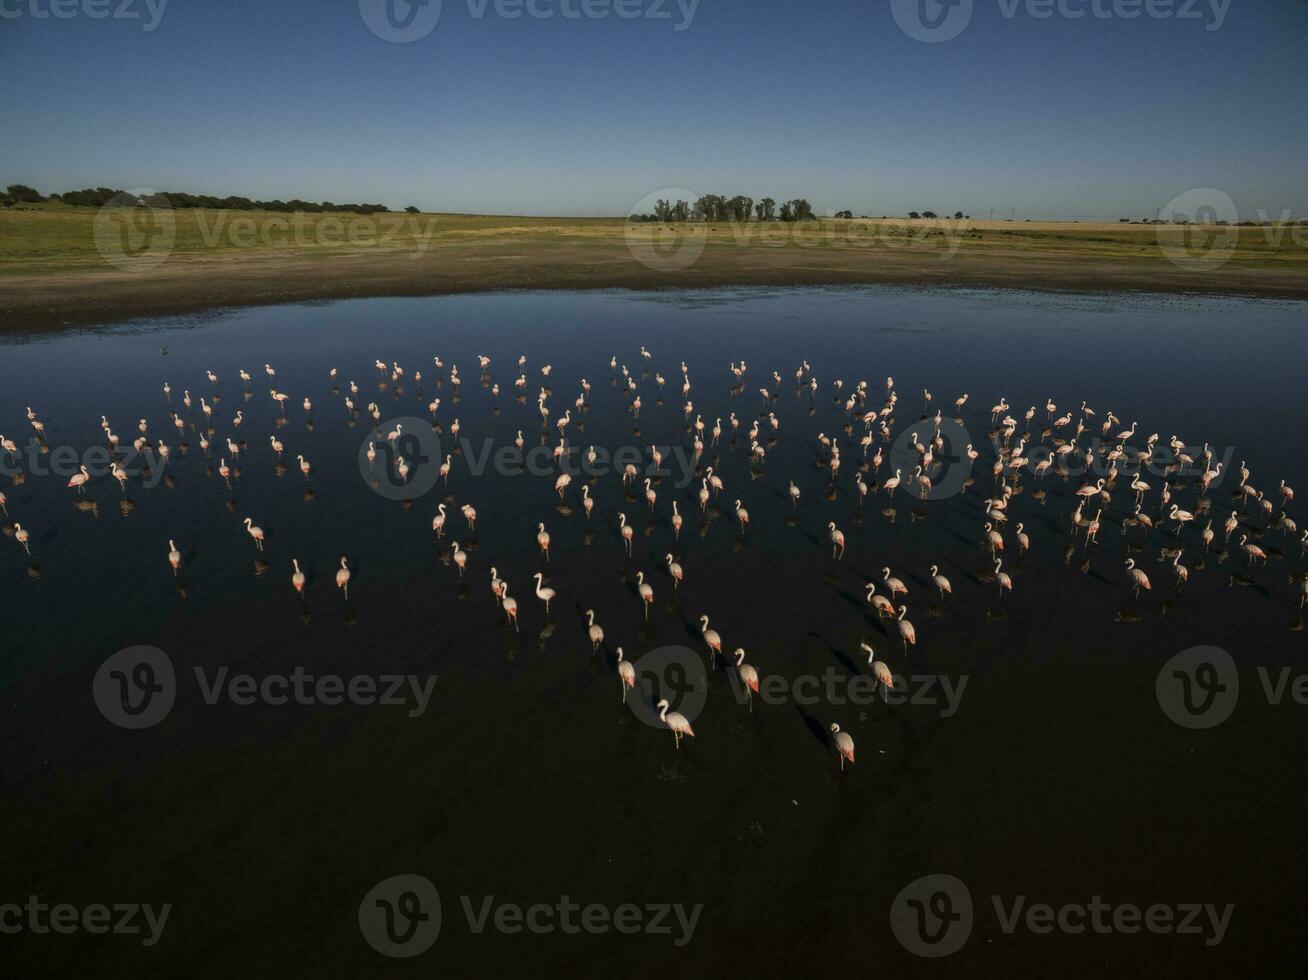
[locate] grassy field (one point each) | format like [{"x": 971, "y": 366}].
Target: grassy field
[
  {"x": 55, "y": 238},
  {"x": 61, "y": 264}
]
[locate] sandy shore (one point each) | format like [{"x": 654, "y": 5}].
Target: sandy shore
[{"x": 42, "y": 300}]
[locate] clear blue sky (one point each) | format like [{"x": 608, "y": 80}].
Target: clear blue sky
[{"x": 827, "y": 100}]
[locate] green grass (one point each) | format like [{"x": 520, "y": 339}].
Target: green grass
[{"x": 52, "y": 238}]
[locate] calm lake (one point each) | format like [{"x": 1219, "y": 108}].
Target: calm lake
[{"x": 1042, "y": 746}]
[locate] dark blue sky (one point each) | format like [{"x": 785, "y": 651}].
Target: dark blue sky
[{"x": 833, "y": 101}]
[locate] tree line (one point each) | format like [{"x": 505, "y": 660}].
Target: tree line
[
  {"x": 717, "y": 207},
  {"x": 100, "y": 196}
]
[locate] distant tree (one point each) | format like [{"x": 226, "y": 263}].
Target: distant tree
[
  {"x": 681, "y": 211},
  {"x": 801, "y": 209},
  {"x": 410, "y": 210},
  {"x": 766, "y": 209},
  {"x": 958, "y": 215},
  {"x": 787, "y": 212},
  {"x": 22, "y": 194},
  {"x": 914, "y": 214},
  {"x": 928, "y": 214}
]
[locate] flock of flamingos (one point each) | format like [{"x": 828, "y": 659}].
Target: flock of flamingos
[{"x": 1141, "y": 474}]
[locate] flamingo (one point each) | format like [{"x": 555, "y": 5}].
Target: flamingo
[
  {"x": 626, "y": 675},
  {"x": 297, "y": 579},
  {"x": 438, "y": 522},
  {"x": 674, "y": 570},
  {"x": 343, "y": 578},
  {"x": 22, "y": 537},
  {"x": 748, "y": 676},
  {"x": 893, "y": 585},
  {"x": 254, "y": 532},
  {"x": 879, "y": 668},
  {"x": 1138, "y": 578},
  {"x": 543, "y": 593},
  {"x": 742, "y": 515},
  {"x": 675, "y": 721},
  {"x": 1005, "y": 582},
  {"x": 711, "y": 637},
  {"x": 1180, "y": 516},
  {"x": 510, "y": 606},
  {"x": 880, "y": 603},
  {"x": 174, "y": 557},
  {"x": 627, "y": 532},
  {"x": 1252, "y": 550},
  {"x": 646, "y": 593},
  {"x": 79, "y": 480},
  {"x": 844, "y": 745},
  {"x": 543, "y": 540},
  {"x": 460, "y": 556},
  {"x": 595, "y": 633},
  {"x": 942, "y": 583},
  {"x": 906, "y": 632},
  {"x": 676, "y": 521},
  {"x": 837, "y": 540}
]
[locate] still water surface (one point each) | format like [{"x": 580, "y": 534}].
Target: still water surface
[{"x": 1027, "y": 753}]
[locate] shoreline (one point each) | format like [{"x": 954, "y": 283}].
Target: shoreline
[{"x": 199, "y": 283}]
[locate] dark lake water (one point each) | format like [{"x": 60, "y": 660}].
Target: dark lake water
[{"x": 1060, "y": 743}]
